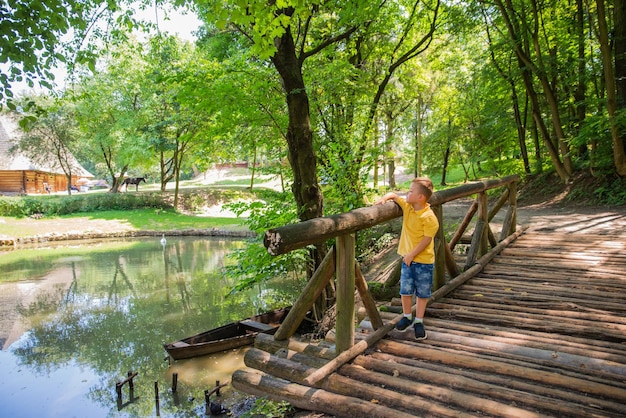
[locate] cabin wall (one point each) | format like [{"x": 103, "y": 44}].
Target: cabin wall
[
  {"x": 32, "y": 182},
  {"x": 11, "y": 181}
]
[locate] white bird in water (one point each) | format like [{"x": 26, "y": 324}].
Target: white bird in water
[{"x": 163, "y": 240}]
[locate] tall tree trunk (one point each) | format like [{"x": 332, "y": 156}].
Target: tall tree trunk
[
  {"x": 549, "y": 93},
  {"x": 389, "y": 154},
  {"x": 579, "y": 92},
  {"x": 418, "y": 137},
  {"x": 446, "y": 155},
  {"x": 377, "y": 156},
  {"x": 619, "y": 154},
  {"x": 521, "y": 128},
  {"x": 301, "y": 155},
  {"x": 300, "y": 152},
  {"x": 619, "y": 135},
  {"x": 509, "y": 14}
]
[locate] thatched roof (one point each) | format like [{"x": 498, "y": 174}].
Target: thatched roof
[{"x": 10, "y": 134}]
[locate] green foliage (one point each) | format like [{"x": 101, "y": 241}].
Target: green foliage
[
  {"x": 63, "y": 205},
  {"x": 612, "y": 191},
  {"x": 252, "y": 263},
  {"x": 266, "y": 408},
  {"x": 380, "y": 291},
  {"x": 11, "y": 206},
  {"x": 595, "y": 136}
]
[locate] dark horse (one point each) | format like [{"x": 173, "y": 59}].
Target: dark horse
[{"x": 135, "y": 181}]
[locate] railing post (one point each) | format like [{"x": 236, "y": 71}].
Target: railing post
[
  {"x": 510, "y": 220},
  {"x": 439, "y": 278},
  {"x": 483, "y": 215},
  {"x": 345, "y": 292}
]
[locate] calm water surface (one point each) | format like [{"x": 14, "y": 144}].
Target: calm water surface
[{"x": 76, "y": 319}]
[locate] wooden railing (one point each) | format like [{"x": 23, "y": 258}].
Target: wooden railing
[{"x": 340, "y": 260}]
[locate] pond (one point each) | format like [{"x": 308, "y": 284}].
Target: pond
[{"x": 78, "y": 318}]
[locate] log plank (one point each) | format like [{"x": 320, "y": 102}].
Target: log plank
[
  {"x": 505, "y": 389},
  {"x": 575, "y": 317},
  {"x": 498, "y": 367},
  {"x": 545, "y": 357},
  {"x": 537, "y": 322},
  {"x": 267, "y": 343},
  {"x": 264, "y": 385},
  {"x": 443, "y": 394},
  {"x": 539, "y": 300},
  {"x": 292, "y": 372}
]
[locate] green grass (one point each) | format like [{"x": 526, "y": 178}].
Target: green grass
[
  {"x": 138, "y": 219},
  {"x": 159, "y": 220}
]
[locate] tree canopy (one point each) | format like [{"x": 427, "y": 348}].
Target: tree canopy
[{"x": 335, "y": 90}]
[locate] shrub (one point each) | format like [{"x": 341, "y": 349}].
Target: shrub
[{"x": 62, "y": 205}]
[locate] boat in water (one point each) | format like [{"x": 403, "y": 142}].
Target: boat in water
[{"x": 226, "y": 337}]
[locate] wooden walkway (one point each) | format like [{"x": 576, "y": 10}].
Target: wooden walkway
[{"x": 541, "y": 331}]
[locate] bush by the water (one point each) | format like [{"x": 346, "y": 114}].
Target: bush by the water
[{"x": 22, "y": 206}]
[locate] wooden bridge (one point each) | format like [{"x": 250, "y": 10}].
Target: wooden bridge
[{"x": 534, "y": 327}]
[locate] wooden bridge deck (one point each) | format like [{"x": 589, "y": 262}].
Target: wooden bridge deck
[{"x": 541, "y": 331}]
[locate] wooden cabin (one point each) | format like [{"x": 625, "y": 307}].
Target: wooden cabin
[{"x": 20, "y": 175}]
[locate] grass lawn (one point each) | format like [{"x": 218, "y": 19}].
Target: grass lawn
[
  {"x": 150, "y": 219},
  {"x": 139, "y": 219}
]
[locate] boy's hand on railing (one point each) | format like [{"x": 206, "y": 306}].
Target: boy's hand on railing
[{"x": 385, "y": 198}]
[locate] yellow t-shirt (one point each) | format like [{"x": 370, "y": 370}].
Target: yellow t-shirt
[{"x": 415, "y": 226}]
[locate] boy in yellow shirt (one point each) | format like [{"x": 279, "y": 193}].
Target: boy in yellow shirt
[{"x": 416, "y": 247}]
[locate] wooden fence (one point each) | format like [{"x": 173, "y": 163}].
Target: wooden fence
[{"x": 340, "y": 260}]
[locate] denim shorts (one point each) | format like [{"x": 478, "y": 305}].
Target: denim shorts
[{"x": 416, "y": 279}]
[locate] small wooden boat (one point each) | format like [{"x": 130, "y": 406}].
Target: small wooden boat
[{"x": 226, "y": 337}]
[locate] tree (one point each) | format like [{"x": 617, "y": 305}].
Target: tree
[
  {"x": 36, "y": 37},
  {"x": 614, "y": 78},
  {"x": 50, "y": 136},
  {"x": 106, "y": 107}
]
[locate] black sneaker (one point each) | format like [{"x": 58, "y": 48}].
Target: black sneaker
[
  {"x": 404, "y": 324},
  {"x": 420, "y": 332}
]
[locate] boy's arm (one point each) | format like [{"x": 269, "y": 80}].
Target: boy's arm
[
  {"x": 386, "y": 197},
  {"x": 421, "y": 246}
]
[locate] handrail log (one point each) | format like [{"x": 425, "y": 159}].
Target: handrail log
[{"x": 291, "y": 237}]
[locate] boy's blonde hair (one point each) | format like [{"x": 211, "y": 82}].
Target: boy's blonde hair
[{"x": 425, "y": 186}]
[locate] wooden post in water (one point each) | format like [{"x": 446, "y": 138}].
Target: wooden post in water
[
  {"x": 174, "y": 382},
  {"x": 156, "y": 398},
  {"x": 207, "y": 402},
  {"x": 118, "y": 389},
  {"x": 345, "y": 292},
  {"x": 131, "y": 385}
]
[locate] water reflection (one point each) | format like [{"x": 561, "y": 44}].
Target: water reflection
[{"x": 76, "y": 319}]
